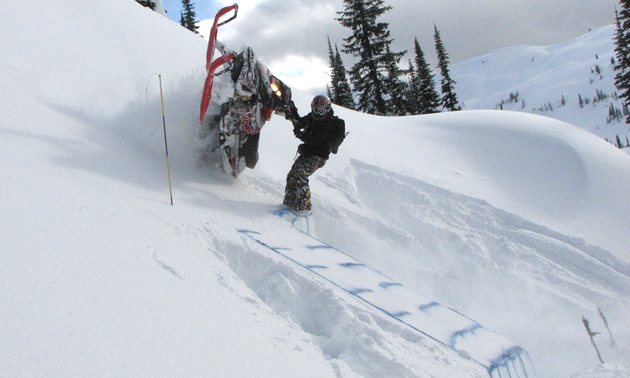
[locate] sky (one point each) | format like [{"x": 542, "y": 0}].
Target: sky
[{"x": 296, "y": 46}]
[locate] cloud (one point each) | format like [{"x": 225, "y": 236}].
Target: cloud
[
  {"x": 277, "y": 27},
  {"x": 310, "y": 74},
  {"x": 473, "y": 28},
  {"x": 295, "y": 32}
]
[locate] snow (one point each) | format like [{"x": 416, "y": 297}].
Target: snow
[
  {"x": 381, "y": 292},
  {"x": 516, "y": 220},
  {"x": 549, "y": 80}
]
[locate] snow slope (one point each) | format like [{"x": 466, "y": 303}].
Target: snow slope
[
  {"x": 515, "y": 220},
  {"x": 549, "y": 80}
]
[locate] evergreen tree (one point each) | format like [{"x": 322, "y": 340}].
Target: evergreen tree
[
  {"x": 409, "y": 92},
  {"x": 622, "y": 52},
  {"x": 188, "y": 16},
  {"x": 396, "y": 88},
  {"x": 414, "y": 89},
  {"x": 425, "y": 98},
  {"x": 369, "y": 42},
  {"x": 344, "y": 95},
  {"x": 147, "y": 3},
  {"x": 449, "y": 98},
  {"x": 339, "y": 91}
]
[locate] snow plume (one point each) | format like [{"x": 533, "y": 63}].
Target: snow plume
[{"x": 515, "y": 220}]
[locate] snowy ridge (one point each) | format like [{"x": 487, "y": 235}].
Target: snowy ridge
[
  {"x": 572, "y": 82},
  {"x": 447, "y": 326}
]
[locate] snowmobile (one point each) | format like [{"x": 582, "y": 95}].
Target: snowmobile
[{"x": 253, "y": 95}]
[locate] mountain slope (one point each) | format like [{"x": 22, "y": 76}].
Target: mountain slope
[
  {"x": 101, "y": 276},
  {"x": 571, "y": 81}
]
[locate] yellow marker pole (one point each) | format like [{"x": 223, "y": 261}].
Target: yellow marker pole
[{"x": 168, "y": 165}]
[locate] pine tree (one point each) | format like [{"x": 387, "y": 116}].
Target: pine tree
[
  {"x": 147, "y": 3},
  {"x": 425, "y": 98},
  {"x": 396, "y": 88},
  {"x": 339, "y": 91},
  {"x": 622, "y": 52},
  {"x": 369, "y": 42},
  {"x": 412, "y": 93},
  {"x": 188, "y": 16},
  {"x": 449, "y": 98},
  {"x": 344, "y": 94}
]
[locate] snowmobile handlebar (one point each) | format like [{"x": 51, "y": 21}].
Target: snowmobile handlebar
[{"x": 289, "y": 111}]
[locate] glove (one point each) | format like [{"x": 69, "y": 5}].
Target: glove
[
  {"x": 287, "y": 115},
  {"x": 292, "y": 109}
]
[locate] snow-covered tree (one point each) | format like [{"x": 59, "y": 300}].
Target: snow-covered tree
[
  {"x": 423, "y": 97},
  {"x": 188, "y": 16},
  {"x": 622, "y": 52},
  {"x": 369, "y": 42},
  {"x": 147, "y": 3},
  {"x": 339, "y": 90},
  {"x": 449, "y": 98},
  {"x": 396, "y": 87}
]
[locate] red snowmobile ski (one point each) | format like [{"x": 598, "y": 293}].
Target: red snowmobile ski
[{"x": 254, "y": 95}]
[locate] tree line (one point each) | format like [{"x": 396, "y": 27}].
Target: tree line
[
  {"x": 376, "y": 84},
  {"x": 622, "y": 66},
  {"x": 622, "y": 52}
]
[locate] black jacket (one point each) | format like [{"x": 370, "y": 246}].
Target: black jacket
[{"x": 320, "y": 137}]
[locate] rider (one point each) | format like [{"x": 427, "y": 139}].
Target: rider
[{"x": 322, "y": 132}]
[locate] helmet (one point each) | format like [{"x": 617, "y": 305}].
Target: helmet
[{"x": 320, "y": 106}]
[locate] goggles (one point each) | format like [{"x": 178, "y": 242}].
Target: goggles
[{"x": 320, "y": 111}]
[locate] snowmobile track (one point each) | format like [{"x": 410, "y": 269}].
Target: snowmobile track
[{"x": 498, "y": 355}]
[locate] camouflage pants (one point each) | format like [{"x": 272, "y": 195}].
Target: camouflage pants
[{"x": 297, "y": 192}]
